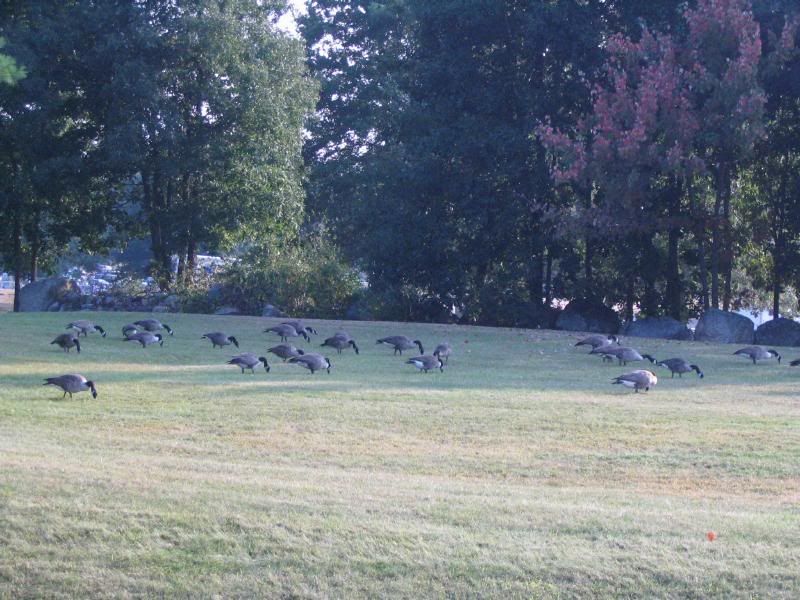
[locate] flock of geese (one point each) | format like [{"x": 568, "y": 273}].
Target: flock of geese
[
  {"x": 148, "y": 332},
  {"x": 609, "y": 348}
]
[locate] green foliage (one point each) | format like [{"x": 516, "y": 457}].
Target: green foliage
[
  {"x": 305, "y": 278},
  {"x": 10, "y": 71}
]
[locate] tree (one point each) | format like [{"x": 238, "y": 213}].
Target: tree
[
  {"x": 205, "y": 113},
  {"x": 10, "y": 71}
]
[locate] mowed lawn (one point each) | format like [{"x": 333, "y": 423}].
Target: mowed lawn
[{"x": 518, "y": 472}]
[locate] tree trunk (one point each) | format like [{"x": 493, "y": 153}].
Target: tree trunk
[
  {"x": 715, "y": 244},
  {"x": 673, "y": 292},
  {"x": 35, "y": 255},
  {"x": 587, "y": 267},
  {"x": 727, "y": 242},
  {"x": 536, "y": 279},
  {"x": 17, "y": 260},
  {"x": 548, "y": 279},
  {"x": 703, "y": 267},
  {"x": 629, "y": 299},
  {"x": 191, "y": 258},
  {"x": 776, "y": 298}
]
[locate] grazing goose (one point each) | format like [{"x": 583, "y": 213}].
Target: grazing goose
[
  {"x": 637, "y": 380},
  {"x": 65, "y": 341},
  {"x": 622, "y": 353},
  {"x": 340, "y": 342},
  {"x": 220, "y": 339},
  {"x": 300, "y": 326},
  {"x": 153, "y": 325},
  {"x": 758, "y": 353},
  {"x": 129, "y": 329},
  {"x": 72, "y": 384},
  {"x": 84, "y": 327},
  {"x": 145, "y": 338},
  {"x": 598, "y": 340},
  {"x": 248, "y": 360},
  {"x": 426, "y": 363},
  {"x": 287, "y": 331},
  {"x": 400, "y": 343},
  {"x": 443, "y": 350},
  {"x": 680, "y": 366},
  {"x": 312, "y": 362},
  {"x": 285, "y": 351},
  {"x": 795, "y": 363}
]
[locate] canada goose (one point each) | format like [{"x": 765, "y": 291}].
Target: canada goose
[
  {"x": 622, "y": 353},
  {"x": 680, "y": 366},
  {"x": 145, "y": 338},
  {"x": 598, "y": 340},
  {"x": 795, "y": 363},
  {"x": 637, "y": 380},
  {"x": 84, "y": 327},
  {"x": 400, "y": 343},
  {"x": 217, "y": 338},
  {"x": 287, "y": 331},
  {"x": 426, "y": 363},
  {"x": 153, "y": 325},
  {"x": 340, "y": 342},
  {"x": 312, "y": 362},
  {"x": 129, "y": 329},
  {"x": 285, "y": 351},
  {"x": 300, "y": 326},
  {"x": 248, "y": 360},
  {"x": 72, "y": 384},
  {"x": 66, "y": 341},
  {"x": 758, "y": 353},
  {"x": 443, "y": 350}
]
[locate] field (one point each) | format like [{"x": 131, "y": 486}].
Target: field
[{"x": 518, "y": 472}]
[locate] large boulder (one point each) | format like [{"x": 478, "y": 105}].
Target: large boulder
[
  {"x": 657, "y": 327},
  {"x": 588, "y": 315},
  {"x": 717, "y": 325},
  {"x": 779, "y": 332},
  {"x": 41, "y": 295}
]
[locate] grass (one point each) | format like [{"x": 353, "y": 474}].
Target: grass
[{"x": 518, "y": 472}]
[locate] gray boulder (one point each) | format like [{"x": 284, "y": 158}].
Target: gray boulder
[
  {"x": 657, "y": 327},
  {"x": 588, "y": 315},
  {"x": 779, "y": 332},
  {"x": 42, "y": 294},
  {"x": 717, "y": 325},
  {"x": 272, "y": 311},
  {"x": 227, "y": 310}
]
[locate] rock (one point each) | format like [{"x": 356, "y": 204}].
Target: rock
[
  {"x": 54, "y": 307},
  {"x": 172, "y": 301},
  {"x": 657, "y": 327},
  {"x": 41, "y": 294},
  {"x": 227, "y": 310},
  {"x": 779, "y": 332},
  {"x": 588, "y": 315},
  {"x": 272, "y": 311},
  {"x": 717, "y": 325}
]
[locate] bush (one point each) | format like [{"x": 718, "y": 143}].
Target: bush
[{"x": 307, "y": 278}]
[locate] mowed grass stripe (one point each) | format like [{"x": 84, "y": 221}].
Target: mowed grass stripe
[{"x": 520, "y": 471}]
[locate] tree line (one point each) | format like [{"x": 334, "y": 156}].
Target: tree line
[
  {"x": 471, "y": 158},
  {"x": 179, "y": 121},
  {"x": 489, "y": 157}
]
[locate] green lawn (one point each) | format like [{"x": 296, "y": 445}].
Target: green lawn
[{"x": 518, "y": 472}]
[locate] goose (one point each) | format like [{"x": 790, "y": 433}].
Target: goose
[
  {"x": 72, "y": 384},
  {"x": 300, "y": 326},
  {"x": 217, "y": 338},
  {"x": 598, "y": 340},
  {"x": 443, "y": 350},
  {"x": 312, "y": 362},
  {"x": 84, "y": 327},
  {"x": 680, "y": 366},
  {"x": 426, "y": 363},
  {"x": 153, "y": 325},
  {"x": 248, "y": 360},
  {"x": 145, "y": 338},
  {"x": 287, "y": 331},
  {"x": 66, "y": 341},
  {"x": 129, "y": 329},
  {"x": 400, "y": 343},
  {"x": 758, "y": 353},
  {"x": 285, "y": 351},
  {"x": 795, "y": 363},
  {"x": 622, "y": 353},
  {"x": 637, "y": 380},
  {"x": 340, "y": 342}
]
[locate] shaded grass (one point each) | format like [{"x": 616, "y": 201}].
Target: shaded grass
[{"x": 519, "y": 472}]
